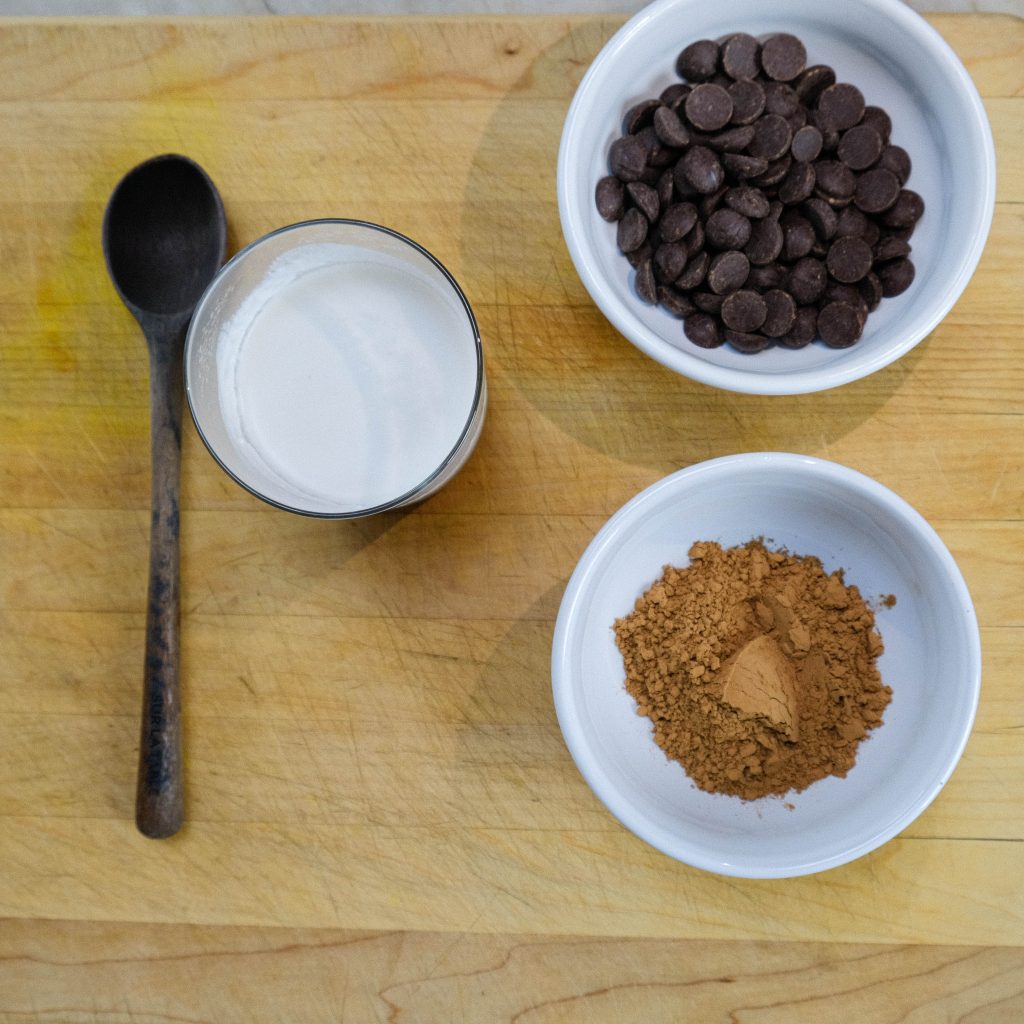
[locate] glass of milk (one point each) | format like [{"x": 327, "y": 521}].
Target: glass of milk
[{"x": 334, "y": 369}]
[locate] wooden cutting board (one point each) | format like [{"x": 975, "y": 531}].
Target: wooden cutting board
[{"x": 371, "y": 744}]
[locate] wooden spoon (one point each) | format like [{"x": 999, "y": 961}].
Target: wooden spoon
[{"x": 164, "y": 238}]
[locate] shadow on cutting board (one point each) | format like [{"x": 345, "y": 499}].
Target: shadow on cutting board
[{"x": 530, "y": 780}]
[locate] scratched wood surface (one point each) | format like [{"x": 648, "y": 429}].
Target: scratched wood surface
[{"x": 383, "y": 820}]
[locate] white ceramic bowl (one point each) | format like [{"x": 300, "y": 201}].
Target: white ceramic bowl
[
  {"x": 932, "y": 661},
  {"x": 900, "y": 63}
]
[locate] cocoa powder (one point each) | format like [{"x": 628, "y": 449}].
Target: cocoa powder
[{"x": 756, "y": 668}]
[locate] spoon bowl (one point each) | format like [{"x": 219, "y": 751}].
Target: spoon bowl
[{"x": 164, "y": 238}]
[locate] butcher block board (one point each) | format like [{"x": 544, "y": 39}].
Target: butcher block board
[{"x": 383, "y": 820}]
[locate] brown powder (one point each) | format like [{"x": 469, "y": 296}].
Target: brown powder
[
  {"x": 759, "y": 682},
  {"x": 756, "y": 668}
]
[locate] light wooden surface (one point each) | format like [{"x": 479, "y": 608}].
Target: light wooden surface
[{"x": 383, "y": 820}]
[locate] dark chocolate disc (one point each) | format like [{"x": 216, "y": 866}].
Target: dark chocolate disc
[
  {"x": 783, "y": 57},
  {"x": 744, "y": 310},
  {"x": 877, "y": 190},
  {"x": 699, "y": 61},
  {"x": 781, "y": 313},
  {"x": 728, "y": 272},
  {"x": 703, "y": 330},
  {"x": 708, "y": 107},
  {"x": 748, "y": 99},
  {"x": 740, "y": 56},
  {"x": 859, "y": 147},
  {"x": 849, "y": 259},
  {"x": 839, "y": 325},
  {"x": 841, "y": 105}
]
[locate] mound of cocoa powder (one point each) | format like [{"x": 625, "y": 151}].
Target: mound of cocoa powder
[{"x": 756, "y": 668}]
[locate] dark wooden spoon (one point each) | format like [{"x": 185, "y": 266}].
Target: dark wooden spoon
[{"x": 164, "y": 238}]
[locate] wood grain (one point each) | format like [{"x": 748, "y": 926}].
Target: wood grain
[
  {"x": 382, "y": 808},
  {"x": 459, "y": 763},
  {"x": 72, "y": 973}
]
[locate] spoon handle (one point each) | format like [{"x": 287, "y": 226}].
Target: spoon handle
[{"x": 158, "y": 799}]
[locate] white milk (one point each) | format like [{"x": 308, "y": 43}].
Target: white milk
[{"x": 346, "y": 376}]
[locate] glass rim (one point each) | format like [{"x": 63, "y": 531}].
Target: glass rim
[{"x": 401, "y": 499}]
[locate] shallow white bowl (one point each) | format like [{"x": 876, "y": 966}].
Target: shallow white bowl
[
  {"x": 900, "y": 63},
  {"x": 932, "y": 661}
]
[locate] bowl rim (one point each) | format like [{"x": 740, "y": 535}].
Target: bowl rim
[
  {"x": 820, "y": 378},
  {"x": 582, "y": 581}
]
